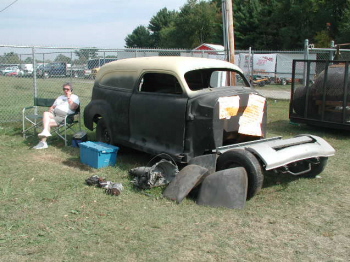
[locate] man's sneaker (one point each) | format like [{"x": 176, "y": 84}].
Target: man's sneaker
[
  {"x": 41, "y": 145},
  {"x": 44, "y": 134}
]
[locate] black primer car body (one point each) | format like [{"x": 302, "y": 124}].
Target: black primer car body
[
  {"x": 170, "y": 105},
  {"x": 182, "y": 107}
]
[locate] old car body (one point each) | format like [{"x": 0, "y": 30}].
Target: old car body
[
  {"x": 184, "y": 108},
  {"x": 168, "y": 104}
]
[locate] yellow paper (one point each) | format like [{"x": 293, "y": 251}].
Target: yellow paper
[{"x": 228, "y": 107}]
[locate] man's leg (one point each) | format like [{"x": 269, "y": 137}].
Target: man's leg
[{"x": 48, "y": 121}]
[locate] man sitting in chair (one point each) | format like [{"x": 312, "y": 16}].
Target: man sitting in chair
[{"x": 64, "y": 105}]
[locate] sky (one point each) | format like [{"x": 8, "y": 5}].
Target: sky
[{"x": 76, "y": 23}]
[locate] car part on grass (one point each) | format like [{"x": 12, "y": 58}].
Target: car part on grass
[
  {"x": 111, "y": 188},
  {"x": 159, "y": 174},
  {"x": 206, "y": 161},
  {"x": 187, "y": 179},
  {"x": 114, "y": 189},
  {"x": 226, "y": 188},
  {"x": 243, "y": 158}
]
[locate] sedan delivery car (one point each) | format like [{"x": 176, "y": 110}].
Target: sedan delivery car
[{"x": 188, "y": 107}]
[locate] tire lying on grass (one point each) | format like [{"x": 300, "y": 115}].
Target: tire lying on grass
[{"x": 243, "y": 158}]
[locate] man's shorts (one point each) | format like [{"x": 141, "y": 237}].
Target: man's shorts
[{"x": 59, "y": 116}]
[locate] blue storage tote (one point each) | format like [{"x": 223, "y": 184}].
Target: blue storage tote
[{"x": 98, "y": 154}]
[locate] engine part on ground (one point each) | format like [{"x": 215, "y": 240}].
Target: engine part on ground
[
  {"x": 111, "y": 188},
  {"x": 226, "y": 188},
  {"x": 93, "y": 180},
  {"x": 161, "y": 173},
  {"x": 114, "y": 189},
  {"x": 187, "y": 179}
]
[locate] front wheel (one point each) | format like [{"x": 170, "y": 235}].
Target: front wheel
[
  {"x": 104, "y": 132},
  {"x": 243, "y": 158}
]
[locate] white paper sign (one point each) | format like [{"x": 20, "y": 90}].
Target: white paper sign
[
  {"x": 228, "y": 106},
  {"x": 250, "y": 121}
]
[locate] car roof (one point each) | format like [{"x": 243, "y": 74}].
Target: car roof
[{"x": 178, "y": 64}]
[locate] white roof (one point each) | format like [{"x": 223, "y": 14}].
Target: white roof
[
  {"x": 177, "y": 64},
  {"x": 213, "y": 47}
]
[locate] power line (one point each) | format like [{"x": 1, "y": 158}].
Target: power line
[{"x": 8, "y": 6}]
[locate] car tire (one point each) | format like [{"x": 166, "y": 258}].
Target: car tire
[
  {"x": 243, "y": 158},
  {"x": 104, "y": 132}
]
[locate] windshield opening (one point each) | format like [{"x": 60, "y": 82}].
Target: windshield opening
[{"x": 212, "y": 78}]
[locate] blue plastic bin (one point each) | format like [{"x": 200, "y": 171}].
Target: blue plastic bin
[{"x": 98, "y": 154}]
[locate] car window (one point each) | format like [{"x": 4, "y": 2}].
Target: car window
[
  {"x": 211, "y": 78},
  {"x": 160, "y": 83}
]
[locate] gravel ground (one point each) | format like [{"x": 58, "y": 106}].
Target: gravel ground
[{"x": 275, "y": 94}]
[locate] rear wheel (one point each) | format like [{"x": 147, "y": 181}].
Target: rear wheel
[
  {"x": 243, "y": 158},
  {"x": 104, "y": 132}
]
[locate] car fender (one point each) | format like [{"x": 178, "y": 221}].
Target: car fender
[{"x": 96, "y": 109}]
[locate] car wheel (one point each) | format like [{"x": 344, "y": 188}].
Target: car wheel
[
  {"x": 103, "y": 132},
  {"x": 315, "y": 169},
  {"x": 243, "y": 158}
]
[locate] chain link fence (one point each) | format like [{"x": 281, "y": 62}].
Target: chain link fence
[{"x": 28, "y": 72}]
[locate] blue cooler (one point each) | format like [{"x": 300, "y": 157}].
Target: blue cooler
[{"x": 98, "y": 154}]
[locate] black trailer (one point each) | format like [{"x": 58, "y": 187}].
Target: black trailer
[{"x": 322, "y": 96}]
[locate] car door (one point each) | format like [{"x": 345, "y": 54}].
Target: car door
[{"x": 158, "y": 114}]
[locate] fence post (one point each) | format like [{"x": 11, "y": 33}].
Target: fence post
[
  {"x": 306, "y": 57},
  {"x": 331, "y": 52},
  {"x": 306, "y": 49},
  {"x": 35, "y": 85}
]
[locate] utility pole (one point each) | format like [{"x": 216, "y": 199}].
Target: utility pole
[{"x": 229, "y": 41}]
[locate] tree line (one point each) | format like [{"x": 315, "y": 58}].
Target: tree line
[{"x": 260, "y": 24}]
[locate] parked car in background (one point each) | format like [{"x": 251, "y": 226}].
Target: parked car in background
[
  {"x": 87, "y": 73},
  {"x": 9, "y": 69},
  {"x": 26, "y": 70},
  {"x": 14, "y": 73}
]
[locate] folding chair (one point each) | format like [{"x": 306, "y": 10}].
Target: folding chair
[
  {"x": 68, "y": 124},
  {"x": 32, "y": 116},
  {"x": 34, "y": 120}
]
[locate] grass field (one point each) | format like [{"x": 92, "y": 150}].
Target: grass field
[{"x": 49, "y": 214}]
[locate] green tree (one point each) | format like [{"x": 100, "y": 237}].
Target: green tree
[
  {"x": 28, "y": 60},
  {"x": 85, "y": 54},
  {"x": 10, "y": 58},
  {"x": 162, "y": 20},
  {"x": 198, "y": 22},
  {"x": 140, "y": 37},
  {"x": 344, "y": 28},
  {"x": 63, "y": 58}
]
